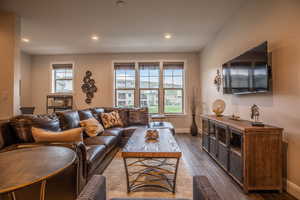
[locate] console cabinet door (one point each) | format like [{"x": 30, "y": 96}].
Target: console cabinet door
[
  {"x": 205, "y": 141},
  {"x": 205, "y": 126},
  {"x": 223, "y": 155},
  {"x": 222, "y": 142},
  {"x": 213, "y": 147},
  {"x": 236, "y": 166}
]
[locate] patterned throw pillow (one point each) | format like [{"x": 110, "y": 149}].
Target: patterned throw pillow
[
  {"x": 138, "y": 116},
  {"x": 71, "y": 135},
  {"x": 111, "y": 119},
  {"x": 92, "y": 127}
]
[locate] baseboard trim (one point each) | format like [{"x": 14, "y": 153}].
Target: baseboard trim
[
  {"x": 182, "y": 130},
  {"x": 293, "y": 189},
  {"x": 185, "y": 130}
]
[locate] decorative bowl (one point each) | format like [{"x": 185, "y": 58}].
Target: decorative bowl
[
  {"x": 152, "y": 134},
  {"x": 218, "y": 107}
]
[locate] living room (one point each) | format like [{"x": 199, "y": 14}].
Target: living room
[{"x": 160, "y": 68}]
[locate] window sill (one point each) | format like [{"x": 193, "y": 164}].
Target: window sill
[
  {"x": 62, "y": 93},
  {"x": 171, "y": 115},
  {"x": 176, "y": 115}
]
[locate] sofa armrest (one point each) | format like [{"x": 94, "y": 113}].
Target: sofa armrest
[
  {"x": 203, "y": 190},
  {"x": 78, "y": 147},
  {"x": 95, "y": 189}
]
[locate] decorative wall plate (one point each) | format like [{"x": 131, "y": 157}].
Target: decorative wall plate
[{"x": 88, "y": 87}]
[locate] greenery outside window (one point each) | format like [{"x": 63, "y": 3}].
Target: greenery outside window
[
  {"x": 156, "y": 85},
  {"x": 149, "y": 75},
  {"x": 173, "y": 76}
]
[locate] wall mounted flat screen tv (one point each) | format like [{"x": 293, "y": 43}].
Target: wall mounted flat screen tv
[{"x": 248, "y": 73}]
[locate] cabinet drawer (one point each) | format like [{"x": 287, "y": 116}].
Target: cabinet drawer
[
  {"x": 213, "y": 147},
  {"x": 236, "y": 166},
  {"x": 223, "y": 155},
  {"x": 205, "y": 142}
]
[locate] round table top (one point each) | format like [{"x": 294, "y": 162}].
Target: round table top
[{"x": 22, "y": 167}]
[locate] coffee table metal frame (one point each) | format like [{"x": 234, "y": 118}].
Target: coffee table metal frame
[
  {"x": 159, "y": 168},
  {"x": 151, "y": 163}
]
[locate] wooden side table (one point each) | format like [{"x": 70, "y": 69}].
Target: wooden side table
[{"x": 32, "y": 165}]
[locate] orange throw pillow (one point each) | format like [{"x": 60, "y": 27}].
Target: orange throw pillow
[{"x": 111, "y": 119}]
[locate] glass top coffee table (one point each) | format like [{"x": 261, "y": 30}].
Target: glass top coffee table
[{"x": 151, "y": 164}]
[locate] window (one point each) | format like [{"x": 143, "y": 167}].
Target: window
[
  {"x": 173, "y": 87},
  {"x": 156, "y": 85},
  {"x": 149, "y": 86},
  {"x": 62, "y": 78},
  {"x": 124, "y": 84}
]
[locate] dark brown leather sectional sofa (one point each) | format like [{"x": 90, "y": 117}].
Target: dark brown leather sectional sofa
[{"x": 94, "y": 154}]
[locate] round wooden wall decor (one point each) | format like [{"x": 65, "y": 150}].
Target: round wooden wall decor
[{"x": 88, "y": 87}]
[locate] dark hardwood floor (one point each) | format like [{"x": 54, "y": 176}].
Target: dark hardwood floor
[{"x": 199, "y": 163}]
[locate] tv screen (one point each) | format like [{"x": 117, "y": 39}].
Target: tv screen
[{"x": 248, "y": 73}]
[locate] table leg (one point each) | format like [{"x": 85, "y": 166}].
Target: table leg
[
  {"x": 127, "y": 175},
  {"x": 43, "y": 189},
  {"x": 175, "y": 175},
  {"x": 13, "y": 196}
]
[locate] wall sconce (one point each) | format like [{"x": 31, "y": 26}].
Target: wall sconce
[{"x": 218, "y": 80}]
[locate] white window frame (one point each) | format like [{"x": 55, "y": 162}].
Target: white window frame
[
  {"x": 160, "y": 89},
  {"x": 183, "y": 89},
  {"x": 115, "y": 89},
  {"x": 52, "y": 81}
]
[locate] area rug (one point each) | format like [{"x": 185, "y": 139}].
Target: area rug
[{"x": 117, "y": 188}]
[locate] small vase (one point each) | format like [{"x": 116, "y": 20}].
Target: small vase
[{"x": 194, "y": 128}]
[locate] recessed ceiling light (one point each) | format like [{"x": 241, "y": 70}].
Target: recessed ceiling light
[
  {"x": 168, "y": 36},
  {"x": 95, "y": 37},
  {"x": 25, "y": 40},
  {"x": 120, "y": 3}
]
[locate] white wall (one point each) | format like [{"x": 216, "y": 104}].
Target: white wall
[
  {"x": 25, "y": 80},
  {"x": 276, "y": 21},
  {"x": 9, "y": 64}
]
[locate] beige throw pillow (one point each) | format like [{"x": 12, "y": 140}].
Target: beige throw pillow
[
  {"x": 92, "y": 127},
  {"x": 72, "y": 135}
]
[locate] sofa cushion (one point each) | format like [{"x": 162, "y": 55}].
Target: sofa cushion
[
  {"x": 97, "y": 112},
  {"x": 128, "y": 131},
  {"x": 138, "y": 116},
  {"x": 85, "y": 114},
  {"x": 111, "y": 119},
  {"x": 69, "y": 119},
  {"x": 71, "y": 135},
  {"x": 92, "y": 127},
  {"x": 22, "y": 125},
  {"x": 101, "y": 140},
  {"x": 94, "y": 156},
  {"x": 116, "y": 131}
]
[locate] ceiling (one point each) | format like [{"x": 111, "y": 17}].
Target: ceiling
[{"x": 66, "y": 26}]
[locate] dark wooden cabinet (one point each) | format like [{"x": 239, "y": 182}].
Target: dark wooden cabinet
[{"x": 250, "y": 155}]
